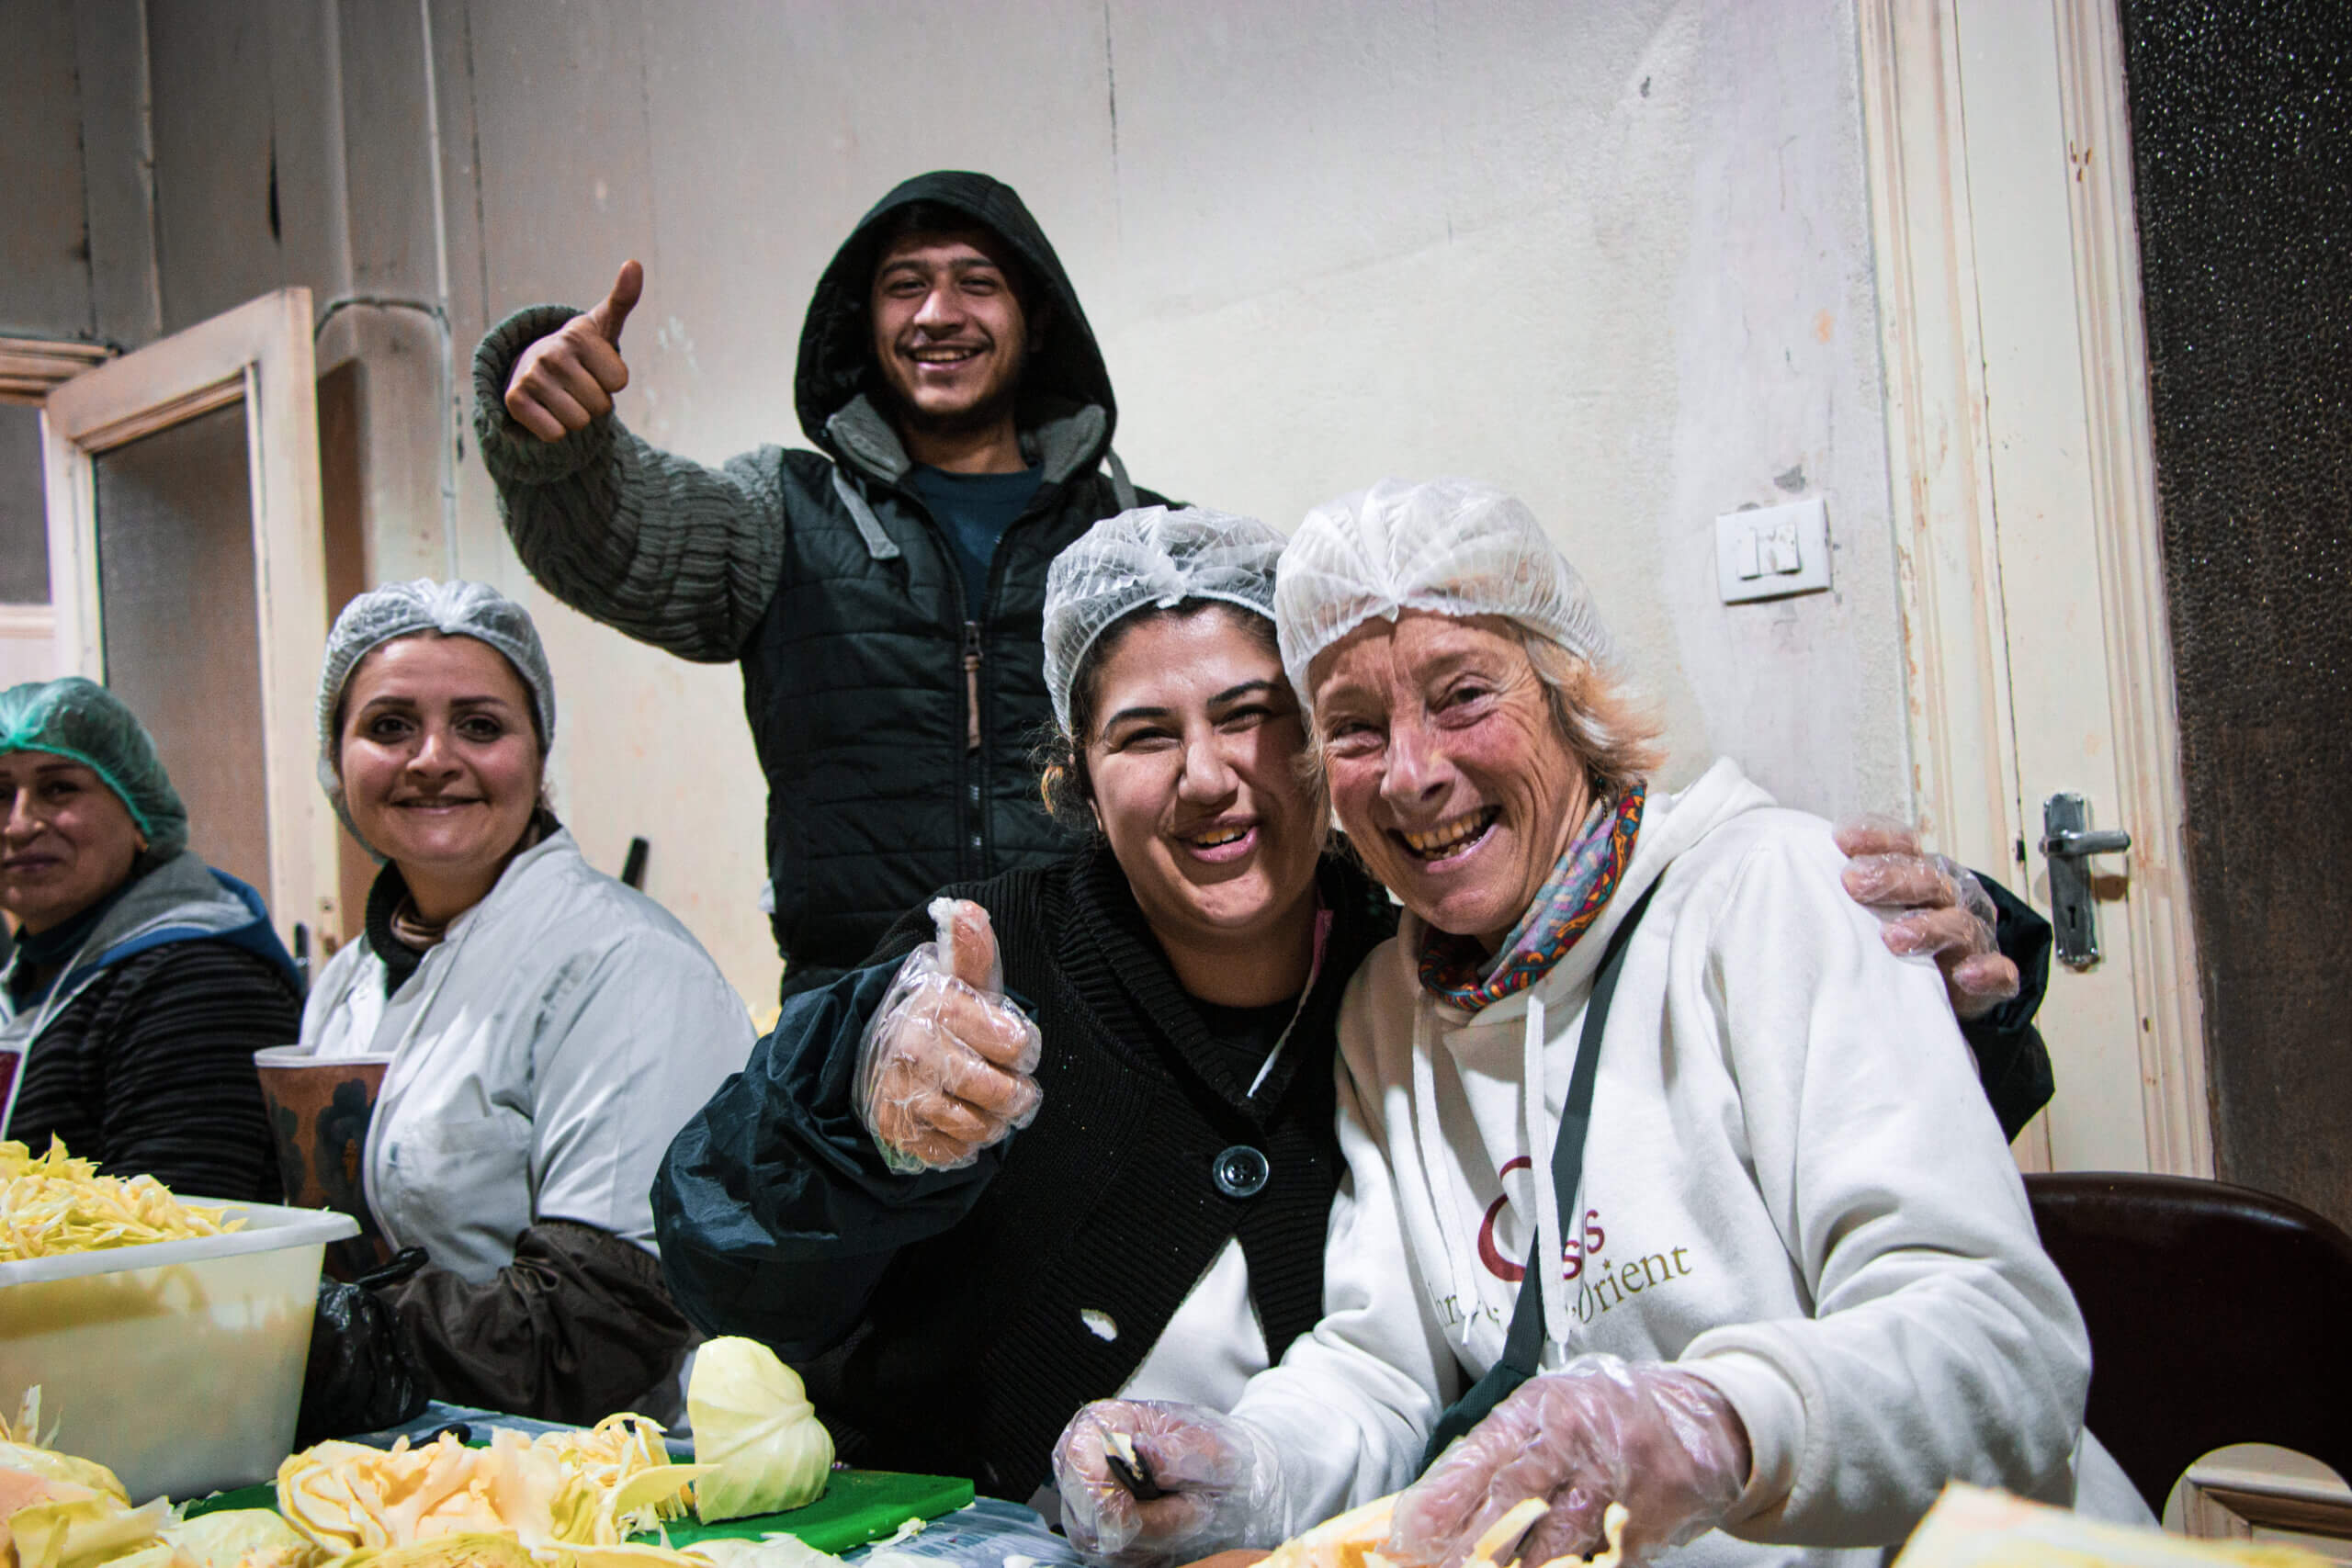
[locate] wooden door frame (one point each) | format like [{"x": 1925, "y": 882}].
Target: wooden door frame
[
  {"x": 1963, "y": 743},
  {"x": 259, "y": 354}
]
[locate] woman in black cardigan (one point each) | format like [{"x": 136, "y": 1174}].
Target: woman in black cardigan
[
  {"x": 1183, "y": 1166},
  {"x": 955, "y": 1293}
]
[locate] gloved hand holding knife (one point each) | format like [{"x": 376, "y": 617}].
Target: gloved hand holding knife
[{"x": 1212, "y": 1482}]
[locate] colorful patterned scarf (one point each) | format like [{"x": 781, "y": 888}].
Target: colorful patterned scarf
[{"x": 1456, "y": 968}]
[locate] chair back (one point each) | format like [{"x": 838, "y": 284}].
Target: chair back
[{"x": 2218, "y": 1314}]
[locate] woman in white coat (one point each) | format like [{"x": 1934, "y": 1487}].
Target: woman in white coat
[
  {"x": 546, "y": 1029},
  {"x": 1794, "y": 1286}
]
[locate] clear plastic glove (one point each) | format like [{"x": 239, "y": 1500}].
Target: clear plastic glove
[
  {"x": 943, "y": 1066},
  {"x": 1933, "y": 905},
  {"x": 1221, "y": 1478},
  {"x": 1598, "y": 1432}
]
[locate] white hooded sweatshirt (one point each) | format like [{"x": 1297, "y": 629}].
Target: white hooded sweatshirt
[
  {"x": 542, "y": 1058},
  {"x": 1792, "y": 1188}
]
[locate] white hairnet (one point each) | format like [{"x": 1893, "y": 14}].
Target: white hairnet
[
  {"x": 1152, "y": 556},
  {"x": 1451, "y": 546},
  {"x": 403, "y": 609}
]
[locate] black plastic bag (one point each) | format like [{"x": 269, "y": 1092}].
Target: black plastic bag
[{"x": 361, "y": 1376}]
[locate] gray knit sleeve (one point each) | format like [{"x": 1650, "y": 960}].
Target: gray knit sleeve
[{"x": 672, "y": 553}]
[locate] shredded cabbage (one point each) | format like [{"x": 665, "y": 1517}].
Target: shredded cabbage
[
  {"x": 578, "y": 1489},
  {"x": 488, "y": 1548},
  {"x": 85, "y": 1531},
  {"x": 58, "y": 1204}
]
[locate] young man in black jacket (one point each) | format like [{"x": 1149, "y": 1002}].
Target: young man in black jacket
[{"x": 882, "y": 592}]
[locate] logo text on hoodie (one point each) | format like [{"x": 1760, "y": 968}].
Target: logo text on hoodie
[{"x": 1605, "y": 1285}]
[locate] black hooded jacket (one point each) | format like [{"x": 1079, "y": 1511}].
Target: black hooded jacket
[{"x": 825, "y": 576}]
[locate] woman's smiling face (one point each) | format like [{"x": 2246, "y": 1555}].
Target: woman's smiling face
[
  {"x": 1192, "y": 761},
  {"x": 440, "y": 766},
  {"x": 67, "y": 840},
  {"x": 1446, "y": 767}
]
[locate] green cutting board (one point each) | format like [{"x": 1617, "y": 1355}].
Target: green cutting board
[{"x": 858, "y": 1506}]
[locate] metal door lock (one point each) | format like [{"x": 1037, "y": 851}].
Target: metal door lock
[{"x": 2066, "y": 839}]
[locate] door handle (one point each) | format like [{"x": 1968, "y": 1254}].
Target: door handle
[{"x": 2067, "y": 840}]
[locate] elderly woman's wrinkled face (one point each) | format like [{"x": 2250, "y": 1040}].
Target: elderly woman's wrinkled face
[
  {"x": 67, "y": 840},
  {"x": 1446, "y": 767},
  {"x": 440, "y": 767},
  {"x": 1193, "y": 762}
]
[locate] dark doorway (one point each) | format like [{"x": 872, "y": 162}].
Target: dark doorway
[{"x": 2242, "y": 147}]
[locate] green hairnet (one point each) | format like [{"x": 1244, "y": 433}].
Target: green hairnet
[{"x": 79, "y": 718}]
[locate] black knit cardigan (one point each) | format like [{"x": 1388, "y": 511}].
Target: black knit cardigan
[{"x": 953, "y": 1321}]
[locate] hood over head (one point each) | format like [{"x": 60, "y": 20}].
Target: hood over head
[{"x": 837, "y": 338}]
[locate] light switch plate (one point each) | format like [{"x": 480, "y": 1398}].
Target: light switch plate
[{"x": 1771, "y": 552}]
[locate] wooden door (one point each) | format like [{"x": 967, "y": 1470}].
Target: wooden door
[{"x": 2041, "y": 665}]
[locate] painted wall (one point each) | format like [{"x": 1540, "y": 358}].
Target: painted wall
[{"x": 1612, "y": 254}]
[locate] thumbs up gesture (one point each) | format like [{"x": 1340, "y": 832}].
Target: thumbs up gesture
[
  {"x": 569, "y": 377},
  {"x": 943, "y": 1066}
]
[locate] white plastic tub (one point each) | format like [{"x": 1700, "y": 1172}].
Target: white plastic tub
[{"x": 178, "y": 1364}]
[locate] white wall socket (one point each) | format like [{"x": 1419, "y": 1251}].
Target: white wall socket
[{"x": 1771, "y": 552}]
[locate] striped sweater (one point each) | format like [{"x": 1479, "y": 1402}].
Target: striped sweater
[{"x": 150, "y": 1069}]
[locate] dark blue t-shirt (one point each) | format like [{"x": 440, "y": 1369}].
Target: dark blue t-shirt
[{"x": 975, "y": 510}]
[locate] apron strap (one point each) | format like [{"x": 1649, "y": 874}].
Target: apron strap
[{"x": 1524, "y": 1343}]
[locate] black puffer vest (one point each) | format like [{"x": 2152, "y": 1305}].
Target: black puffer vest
[{"x": 856, "y": 681}]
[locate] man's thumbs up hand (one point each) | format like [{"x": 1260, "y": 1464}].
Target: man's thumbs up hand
[{"x": 568, "y": 377}]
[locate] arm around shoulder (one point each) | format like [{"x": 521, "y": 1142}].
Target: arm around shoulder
[{"x": 2011, "y": 1060}]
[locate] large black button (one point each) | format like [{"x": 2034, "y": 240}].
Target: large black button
[{"x": 1240, "y": 1171}]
